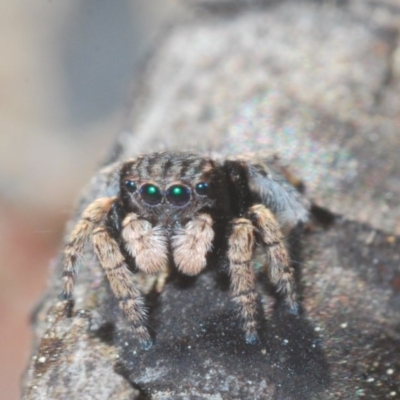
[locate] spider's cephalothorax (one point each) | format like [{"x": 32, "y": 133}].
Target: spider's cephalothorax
[{"x": 183, "y": 207}]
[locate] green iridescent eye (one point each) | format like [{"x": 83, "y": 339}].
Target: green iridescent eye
[
  {"x": 151, "y": 194},
  {"x": 178, "y": 195}
]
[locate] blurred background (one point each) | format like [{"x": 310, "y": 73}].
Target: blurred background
[{"x": 65, "y": 75}]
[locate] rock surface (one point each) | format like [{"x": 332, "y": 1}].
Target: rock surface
[{"x": 316, "y": 83}]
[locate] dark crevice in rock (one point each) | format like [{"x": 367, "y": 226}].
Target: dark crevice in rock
[
  {"x": 322, "y": 216},
  {"x": 106, "y": 332}
]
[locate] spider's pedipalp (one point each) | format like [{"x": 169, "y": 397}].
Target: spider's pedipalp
[
  {"x": 243, "y": 281},
  {"x": 91, "y": 217},
  {"x": 191, "y": 244},
  {"x": 129, "y": 298},
  {"x": 281, "y": 272},
  {"x": 147, "y": 244}
]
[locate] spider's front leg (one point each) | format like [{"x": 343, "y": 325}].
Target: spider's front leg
[
  {"x": 129, "y": 298},
  {"x": 243, "y": 281},
  {"x": 282, "y": 276},
  {"x": 92, "y": 216}
]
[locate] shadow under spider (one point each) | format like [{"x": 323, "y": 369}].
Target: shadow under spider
[
  {"x": 197, "y": 327},
  {"x": 289, "y": 355},
  {"x": 196, "y": 332}
]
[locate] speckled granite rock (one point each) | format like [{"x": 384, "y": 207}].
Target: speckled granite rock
[
  {"x": 72, "y": 363},
  {"x": 313, "y": 82}
]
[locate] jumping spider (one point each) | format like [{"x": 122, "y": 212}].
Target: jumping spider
[{"x": 181, "y": 208}]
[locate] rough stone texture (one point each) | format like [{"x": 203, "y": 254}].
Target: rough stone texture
[
  {"x": 315, "y": 82},
  {"x": 72, "y": 363},
  {"x": 309, "y": 81}
]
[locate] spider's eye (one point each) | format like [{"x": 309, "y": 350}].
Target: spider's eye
[
  {"x": 151, "y": 194},
  {"x": 131, "y": 186},
  {"x": 202, "y": 188},
  {"x": 178, "y": 195}
]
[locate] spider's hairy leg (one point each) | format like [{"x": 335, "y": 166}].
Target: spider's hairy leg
[
  {"x": 146, "y": 243},
  {"x": 241, "y": 244},
  {"x": 91, "y": 217},
  {"x": 129, "y": 298},
  {"x": 278, "y": 195},
  {"x": 191, "y": 244},
  {"x": 282, "y": 276}
]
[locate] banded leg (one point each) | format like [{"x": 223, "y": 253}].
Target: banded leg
[
  {"x": 282, "y": 276},
  {"x": 130, "y": 299},
  {"x": 241, "y": 243},
  {"x": 91, "y": 217}
]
